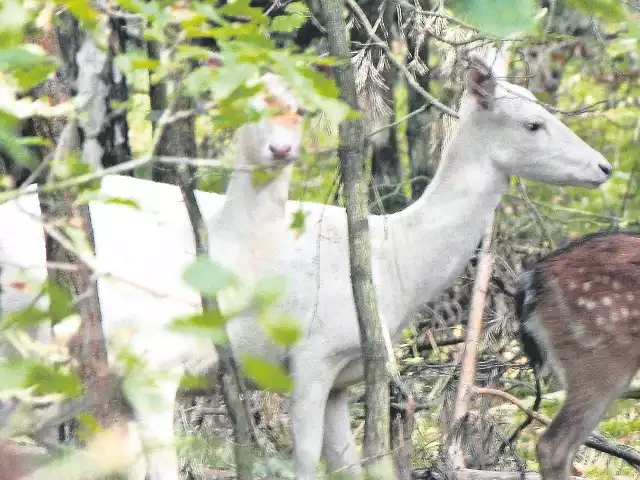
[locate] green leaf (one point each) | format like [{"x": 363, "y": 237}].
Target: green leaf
[
  {"x": 123, "y": 201},
  {"x": 28, "y": 68},
  {"x": 26, "y": 318},
  {"x": 83, "y": 10},
  {"x": 49, "y": 380},
  {"x": 60, "y": 303},
  {"x": 262, "y": 176},
  {"x": 266, "y": 375},
  {"x": 497, "y": 17},
  {"x": 135, "y": 60},
  {"x": 210, "y": 323},
  {"x": 12, "y": 374},
  {"x": 610, "y": 10},
  {"x": 269, "y": 289},
  {"x": 281, "y": 327},
  {"x": 208, "y": 277},
  {"x": 298, "y": 222},
  {"x": 243, "y": 8},
  {"x": 287, "y": 23},
  {"x": 22, "y": 373},
  {"x": 299, "y": 8},
  {"x": 10, "y": 144},
  {"x": 190, "y": 382}
]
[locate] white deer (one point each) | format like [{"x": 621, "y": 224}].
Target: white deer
[
  {"x": 152, "y": 263},
  {"x": 416, "y": 253},
  {"x": 580, "y": 314}
]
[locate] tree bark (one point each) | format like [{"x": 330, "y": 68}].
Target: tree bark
[
  {"x": 351, "y": 153},
  {"x": 88, "y": 347}
]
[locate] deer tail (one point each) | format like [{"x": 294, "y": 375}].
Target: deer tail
[{"x": 525, "y": 300}]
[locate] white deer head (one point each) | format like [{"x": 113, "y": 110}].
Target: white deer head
[{"x": 523, "y": 137}]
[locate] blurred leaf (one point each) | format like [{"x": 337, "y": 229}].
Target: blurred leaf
[
  {"x": 287, "y": 23},
  {"x": 25, "y": 318},
  {"x": 299, "y": 8},
  {"x": 49, "y": 380},
  {"x": 23, "y": 373},
  {"x": 208, "y": 277},
  {"x": 281, "y": 327},
  {"x": 298, "y": 222},
  {"x": 28, "y": 68},
  {"x": 266, "y": 375},
  {"x": 88, "y": 426},
  {"x": 13, "y": 15},
  {"x": 243, "y": 8},
  {"x": 135, "y": 60},
  {"x": 189, "y": 382},
  {"x": 10, "y": 144},
  {"x": 262, "y": 176},
  {"x": 228, "y": 79},
  {"x": 60, "y": 303},
  {"x": 12, "y": 374},
  {"x": 123, "y": 201},
  {"x": 210, "y": 323},
  {"x": 269, "y": 289},
  {"x": 497, "y": 17},
  {"x": 610, "y": 10},
  {"x": 83, "y": 10},
  {"x": 147, "y": 9}
]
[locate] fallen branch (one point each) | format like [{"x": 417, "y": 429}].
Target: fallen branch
[{"x": 596, "y": 441}]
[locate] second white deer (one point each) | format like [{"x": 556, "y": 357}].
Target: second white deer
[{"x": 149, "y": 249}]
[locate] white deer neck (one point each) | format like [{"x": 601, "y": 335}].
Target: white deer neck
[
  {"x": 434, "y": 238},
  {"x": 246, "y": 233}
]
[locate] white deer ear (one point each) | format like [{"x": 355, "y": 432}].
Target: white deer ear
[{"x": 481, "y": 82}]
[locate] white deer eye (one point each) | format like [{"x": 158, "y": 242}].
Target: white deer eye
[{"x": 534, "y": 126}]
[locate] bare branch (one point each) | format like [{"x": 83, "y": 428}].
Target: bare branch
[{"x": 357, "y": 11}]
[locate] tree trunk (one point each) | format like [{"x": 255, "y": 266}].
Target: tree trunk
[
  {"x": 88, "y": 346},
  {"x": 351, "y": 152}
]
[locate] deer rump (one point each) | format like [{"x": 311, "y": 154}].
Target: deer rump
[{"x": 594, "y": 278}]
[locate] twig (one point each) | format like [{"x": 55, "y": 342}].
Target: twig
[
  {"x": 469, "y": 357},
  {"x": 357, "y": 11},
  {"x": 536, "y": 214}
]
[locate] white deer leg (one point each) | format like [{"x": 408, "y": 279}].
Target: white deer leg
[
  {"x": 154, "y": 418},
  {"x": 339, "y": 448},
  {"x": 308, "y": 402}
]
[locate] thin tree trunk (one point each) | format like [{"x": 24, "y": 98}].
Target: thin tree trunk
[
  {"x": 158, "y": 100},
  {"x": 232, "y": 383},
  {"x": 351, "y": 152}
]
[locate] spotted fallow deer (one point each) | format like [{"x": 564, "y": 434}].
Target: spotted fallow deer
[
  {"x": 416, "y": 253},
  {"x": 579, "y": 309}
]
